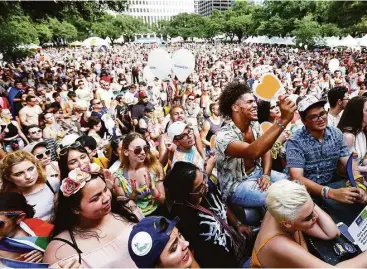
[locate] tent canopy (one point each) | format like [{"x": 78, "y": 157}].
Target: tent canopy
[{"x": 94, "y": 41}]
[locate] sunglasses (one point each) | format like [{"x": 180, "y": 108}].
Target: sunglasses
[
  {"x": 191, "y": 99},
  {"x": 65, "y": 150},
  {"x": 97, "y": 103},
  {"x": 272, "y": 107},
  {"x": 203, "y": 187},
  {"x": 35, "y": 132},
  {"x": 45, "y": 154},
  {"x": 138, "y": 150},
  {"x": 184, "y": 136}
]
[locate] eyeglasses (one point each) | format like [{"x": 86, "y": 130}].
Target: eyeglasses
[
  {"x": 191, "y": 99},
  {"x": 202, "y": 188},
  {"x": 97, "y": 103},
  {"x": 315, "y": 118},
  {"x": 42, "y": 155},
  {"x": 65, "y": 150},
  {"x": 138, "y": 150},
  {"x": 184, "y": 136},
  {"x": 35, "y": 132}
]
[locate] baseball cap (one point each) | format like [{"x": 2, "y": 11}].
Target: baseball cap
[
  {"x": 142, "y": 94},
  {"x": 308, "y": 102},
  {"x": 148, "y": 238},
  {"x": 176, "y": 128},
  {"x": 30, "y": 147}
]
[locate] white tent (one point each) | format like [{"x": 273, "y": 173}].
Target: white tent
[
  {"x": 94, "y": 41},
  {"x": 363, "y": 41},
  {"x": 30, "y": 46},
  {"x": 349, "y": 41}
]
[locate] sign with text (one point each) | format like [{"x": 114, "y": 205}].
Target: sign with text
[{"x": 358, "y": 230}]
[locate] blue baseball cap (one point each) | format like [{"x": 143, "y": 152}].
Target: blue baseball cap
[{"x": 148, "y": 238}]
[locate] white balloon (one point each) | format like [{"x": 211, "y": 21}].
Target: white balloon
[
  {"x": 300, "y": 44},
  {"x": 296, "y": 50},
  {"x": 147, "y": 74},
  {"x": 306, "y": 46},
  {"x": 333, "y": 65},
  {"x": 183, "y": 63},
  {"x": 160, "y": 63}
]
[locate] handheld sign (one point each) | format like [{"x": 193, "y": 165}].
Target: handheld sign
[
  {"x": 265, "y": 126},
  {"x": 160, "y": 63},
  {"x": 268, "y": 88},
  {"x": 333, "y": 65},
  {"x": 183, "y": 64}
]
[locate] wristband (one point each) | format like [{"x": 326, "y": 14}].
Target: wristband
[
  {"x": 325, "y": 192},
  {"x": 280, "y": 125}
]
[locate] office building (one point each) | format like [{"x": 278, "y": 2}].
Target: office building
[
  {"x": 153, "y": 11},
  {"x": 206, "y": 7}
]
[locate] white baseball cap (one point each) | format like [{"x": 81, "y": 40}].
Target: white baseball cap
[
  {"x": 176, "y": 128},
  {"x": 307, "y": 102}
]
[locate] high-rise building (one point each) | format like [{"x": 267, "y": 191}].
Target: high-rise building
[
  {"x": 206, "y": 7},
  {"x": 153, "y": 11}
]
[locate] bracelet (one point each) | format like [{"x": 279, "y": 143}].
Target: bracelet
[
  {"x": 266, "y": 176},
  {"x": 280, "y": 125},
  {"x": 325, "y": 192},
  {"x": 157, "y": 197},
  {"x": 238, "y": 224}
]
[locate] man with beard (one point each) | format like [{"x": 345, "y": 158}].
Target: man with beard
[
  {"x": 242, "y": 150},
  {"x": 313, "y": 153},
  {"x": 338, "y": 99}
]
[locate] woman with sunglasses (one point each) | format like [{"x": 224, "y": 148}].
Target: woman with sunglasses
[
  {"x": 11, "y": 132},
  {"x": 141, "y": 176},
  {"x": 288, "y": 218},
  {"x": 17, "y": 223},
  {"x": 40, "y": 151},
  {"x": 22, "y": 172},
  {"x": 91, "y": 226}
]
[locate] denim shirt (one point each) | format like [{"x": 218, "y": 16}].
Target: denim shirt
[
  {"x": 231, "y": 170},
  {"x": 318, "y": 159}
]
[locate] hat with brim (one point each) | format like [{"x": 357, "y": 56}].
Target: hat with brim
[
  {"x": 307, "y": 103},
  {"x": 176, "y": 128},
  {"x": 32, "y": 146}
]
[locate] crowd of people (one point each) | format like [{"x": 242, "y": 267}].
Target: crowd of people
[{"x": 121, "y": 170}]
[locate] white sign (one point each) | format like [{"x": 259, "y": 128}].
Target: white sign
[{"x": 358, "y": 230}]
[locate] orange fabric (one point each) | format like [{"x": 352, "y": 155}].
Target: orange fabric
[{"x": 255, "y": 262}]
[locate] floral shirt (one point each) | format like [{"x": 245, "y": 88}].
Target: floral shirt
[{"x": 231, "y": 170}]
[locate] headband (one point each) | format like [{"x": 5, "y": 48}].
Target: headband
[{"x": 77, "y": 178}]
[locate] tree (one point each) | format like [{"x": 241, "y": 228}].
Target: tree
[
  {"x": 15, "y": 32},
  {"x": 307, "y": 30},
  {"x": 330, "y": 29},
  {"x": 44, "y": 32},
  {"x": 63, "y": 30},
  {"x": 186, "y": 25}
]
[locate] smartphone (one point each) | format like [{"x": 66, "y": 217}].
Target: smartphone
[{"x": 343, "y": 228}]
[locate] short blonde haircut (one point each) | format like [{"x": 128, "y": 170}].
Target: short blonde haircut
[
  {"x": 12, "y": 159},
  {"x": 285, "y": 198}
]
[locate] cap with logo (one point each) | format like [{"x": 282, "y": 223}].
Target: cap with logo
[
  {"x": 176, "y": 128},
  {"x": 142, "y": 94},
  {"x": 148, "y": 239},
  {"x": 308, "y": 102}
]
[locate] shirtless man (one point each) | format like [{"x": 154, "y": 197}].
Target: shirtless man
[{"x": 28, "y": 115}]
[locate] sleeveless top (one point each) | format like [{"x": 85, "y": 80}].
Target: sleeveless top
[
  {"x": 145, "y": 200},
  {"x": 214, "y": 128},
  {"x": 255, "y": 262},
  {"x": 113, "y": 254},
  {"x": 12, "y": 130}
]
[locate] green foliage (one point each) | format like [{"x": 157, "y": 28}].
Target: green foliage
[
  {"x": 44, "y": 32},
  {"x": 307, "y": 30}
]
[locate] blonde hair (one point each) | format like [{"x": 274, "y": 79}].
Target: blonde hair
[
  {"x": 12, "y": 159},
  {"x": 285, "y": 198}
]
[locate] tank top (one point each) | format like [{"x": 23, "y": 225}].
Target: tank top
[
  {"x": 214, "y": 128},
  {"x": 12, "y": 130}
]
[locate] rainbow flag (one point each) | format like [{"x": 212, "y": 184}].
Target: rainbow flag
[{"x": 38, "y": 230}]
